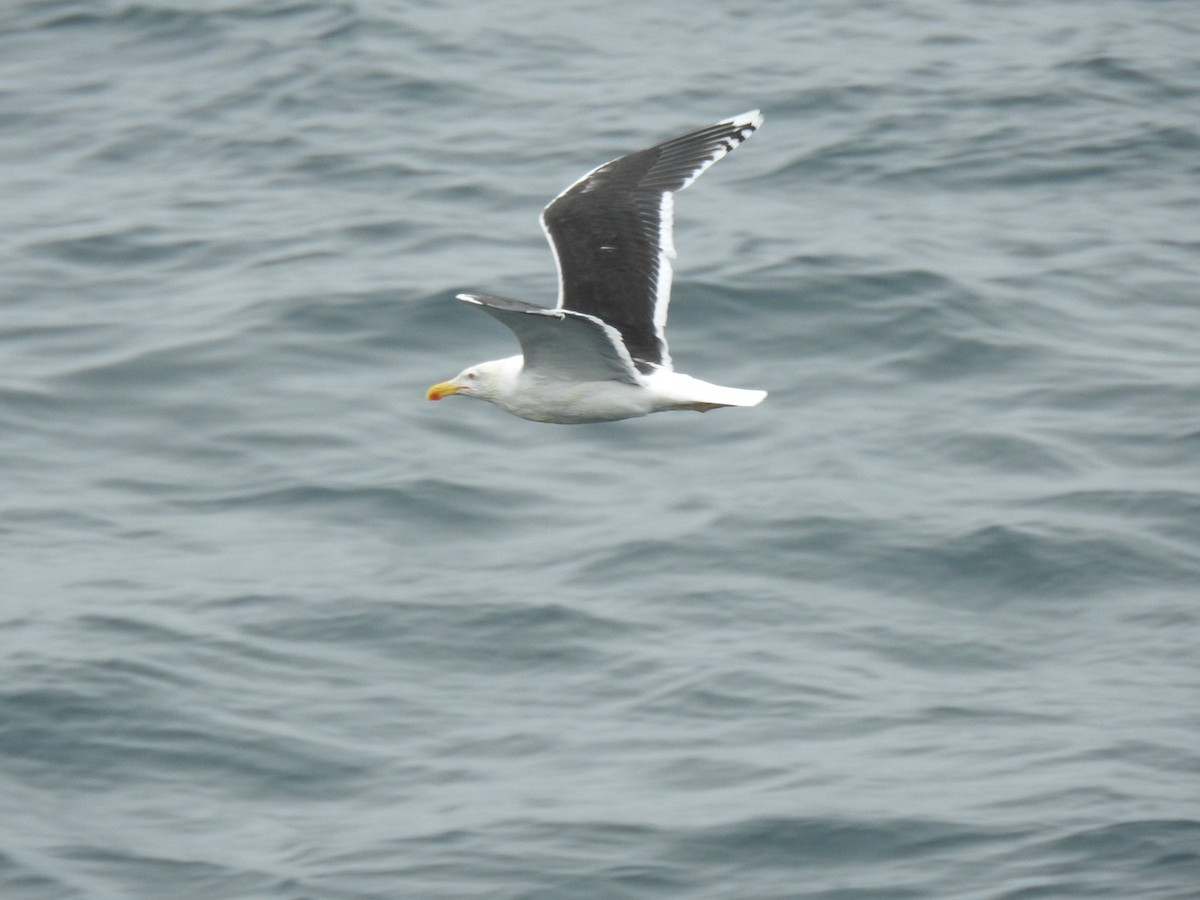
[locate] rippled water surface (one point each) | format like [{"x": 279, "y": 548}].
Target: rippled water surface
[{"x": 924, "y": 624}]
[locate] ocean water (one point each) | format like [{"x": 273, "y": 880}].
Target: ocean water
[{"x": 924, "y": 624}]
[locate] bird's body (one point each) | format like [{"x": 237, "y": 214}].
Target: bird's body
[
  {"x": 601, "y": 354},
  {"x": 510, "y": 386}
]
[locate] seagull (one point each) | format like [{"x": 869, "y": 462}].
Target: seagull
[{"x": 601, "y": 355}]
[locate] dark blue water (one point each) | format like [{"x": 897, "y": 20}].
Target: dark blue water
[{"x": 924, "y": 624}]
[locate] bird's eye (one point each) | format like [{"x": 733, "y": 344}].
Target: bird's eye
[{"x": 471, "y": 376}]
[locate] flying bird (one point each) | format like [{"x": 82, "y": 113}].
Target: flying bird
[{"x": 601, "y": 354}]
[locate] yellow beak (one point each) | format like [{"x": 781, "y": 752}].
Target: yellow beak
[{"x": 442, "y": 389}]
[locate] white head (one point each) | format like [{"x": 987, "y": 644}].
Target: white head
[{"x": 487, "y": 381}]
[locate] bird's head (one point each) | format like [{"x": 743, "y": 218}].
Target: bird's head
[{"x": 482, "y": 381}]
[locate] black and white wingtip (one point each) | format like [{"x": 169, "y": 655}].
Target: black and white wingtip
[{"x": 728, "y": 134}]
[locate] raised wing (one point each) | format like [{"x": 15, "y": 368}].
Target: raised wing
[{"x": 611, "y": 234}]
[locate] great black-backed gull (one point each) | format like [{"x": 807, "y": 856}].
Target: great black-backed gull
[{"x": 600, "y": 354}]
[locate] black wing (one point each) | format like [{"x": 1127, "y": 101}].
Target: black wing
[{"x": 611, "y": 234}]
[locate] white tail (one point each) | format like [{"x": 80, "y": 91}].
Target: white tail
[
  {"x": 686, "y": 392},
  {"x": 738, "y": 397}
]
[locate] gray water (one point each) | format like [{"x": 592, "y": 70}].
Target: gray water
[{"x": 924, "y": 624}]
